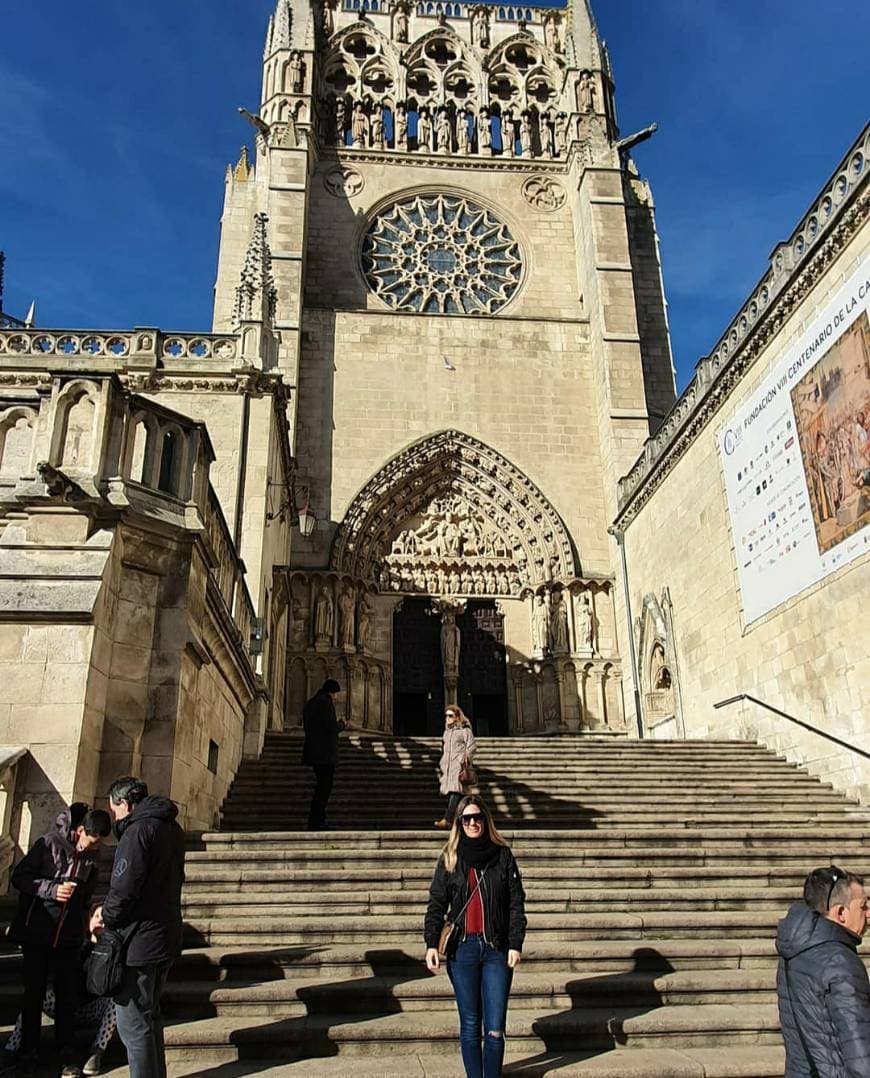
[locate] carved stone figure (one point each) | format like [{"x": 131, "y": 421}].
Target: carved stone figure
[
  {"x": 364, "y": 624},
  {"x": 360, "y": 125},
  {"x": 443, "y": 134},
  {"x": 559, "y": 624},
  {"x": 484, "y": 133},
  {"x": 449, "y": 644},
  {"x": 540, "y": 626},
  {"x": 586, "y": 92},
  {"x": 346, "y": 611},
  {"x": 526, "y": 135},
  {"x": 401, "y": 126},
  {"x": 297, "y": 626},
  {"x": 400, "y": 24},
  {"x": 378, "y": 127},
  {"x": 424, "y": 129},
  {"x": 480, "y": 28},
  {"x": 508, "y": 133},
  {"x": 551, "y": 33},
  {"x": 561, "y": 131},
  {"x": 296, "y": 71},
  {"x": 548, "y": 136},
  {"x": 324, "y": 616},
  {"x": 340, "y": 120},
  {"x": 463, "y": 141},
  {"x": 328, "y": 19},
  {"x": 585, "y": 624}
]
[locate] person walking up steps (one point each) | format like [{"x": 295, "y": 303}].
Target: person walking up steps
[
  {"x": 458, "y": 748},
  {"x": 476, "y": 918},
  {"x": 320, "y": 751}
]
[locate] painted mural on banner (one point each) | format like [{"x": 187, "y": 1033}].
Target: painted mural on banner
[{"x": 796, "y": 458}]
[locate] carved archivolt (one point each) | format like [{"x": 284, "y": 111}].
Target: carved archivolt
[{"x": 450, "y": 516}]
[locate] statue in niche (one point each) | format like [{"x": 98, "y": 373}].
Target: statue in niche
[
  {"x": 540, "y": 626},
  {"x": 449, "y": 644},
  {"x": 401, "y": 126},
  {"x": 364, "y": 626},
  {"x": 549, "y": 138},
  {"x": 551, "y": 34},
  {"x": 324, "y": 616},
  {"x": 340, "y": 120},
  {"x": 443, "y": 134},
  {"x": 660, "y": 675},
  {"x": 346, "y": 611},
  {"x": 424, "y": 128},
  {"x": 328, "y": 20},
  {"x": 526, "y": 135},
  {"x": 586, "y": 92},
  {"x": 504, "y": 584},
  {"x": 561, "y": 130},
  {"x": 296, "y": 71},
  {"x": 297, "y": 626},
  {"x": 400, "y": 24},
  {"x": 359, "y": 125},
  {"x": 484, "y": 133},
  {"x": 463, "y": 142},
  {"x": 378, "y": 127},
  {"x": 480, "y": 28},
  {"x": 559, "y": 624},
  {"x": 508, "y": 133},
  {"x": 585, "y": 624}
]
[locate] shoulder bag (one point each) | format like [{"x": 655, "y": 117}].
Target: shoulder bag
[
  {"x": 450, "y": 926},
  {"x": 104, "y": 968}
]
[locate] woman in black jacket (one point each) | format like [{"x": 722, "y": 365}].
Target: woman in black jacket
[{"x": 478, "y": 889}]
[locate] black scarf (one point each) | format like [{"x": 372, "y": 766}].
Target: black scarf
[{"x": 477, "y": 853}]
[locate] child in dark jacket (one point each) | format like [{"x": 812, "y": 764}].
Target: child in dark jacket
[{"x": 56, "y": 881}]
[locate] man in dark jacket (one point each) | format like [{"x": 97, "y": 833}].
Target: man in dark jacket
[
  {"x": 55, "y": 880},
  {"x": 144, "y": 906},
  {"x": 821, "y": 983},
  {"x": 320, "y": 751}
]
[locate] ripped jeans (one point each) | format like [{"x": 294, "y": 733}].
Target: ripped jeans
[{"x": 481, "y": 982}]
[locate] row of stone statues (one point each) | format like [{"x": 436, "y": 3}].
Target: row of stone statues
[
  {"x": 445, "y": 129},
  {"x": 444, "y": 580},
  {"x": 342, "y": 620},
  {"x": 551, "y": 632}
]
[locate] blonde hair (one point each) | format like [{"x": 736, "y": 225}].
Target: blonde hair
[
  {"x": 460, "y": 714},
  {"x": 450, "y": 853}
]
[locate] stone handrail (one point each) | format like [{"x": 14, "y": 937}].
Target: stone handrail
[
  {"x": 229, "y": 570},
  {"x": 140, "y": 344}
]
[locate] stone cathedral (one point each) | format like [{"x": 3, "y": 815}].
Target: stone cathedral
[
  {"x": 469, "y": 306},
  {"x": 431, "y": 446}
]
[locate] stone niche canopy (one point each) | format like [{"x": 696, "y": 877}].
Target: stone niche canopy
[{"x": 450, "y": 516}]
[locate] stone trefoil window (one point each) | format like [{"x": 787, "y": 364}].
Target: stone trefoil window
[{"x": 441, "y": 254}]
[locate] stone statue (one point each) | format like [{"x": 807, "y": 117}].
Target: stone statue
[
  {"x": 340, "y": 120},
  {"x": 585, "y": 624},
  {"x": 296, "y": 70},
  {"x": 484, "y": 133},
  {"x": 449, "y": 644},
  {"x": 324, "y": 616},
  {"x": 540, "y": 626},
  {"x": 551, "y": 34},
  {"x": 548, "y": 139},
  {"x": 586, "y": 92},
  {"x": 400, "y": 24},
  {"x": 480, "y": 28},
  {"x": 346, "y": 611},
  {"x": 559, "y": 624},
  {"x": 360, "y": 125},
  {"x": 297, "y": 626},
  {"x": 526, "y": 135},
  {"x": 443, "y": 133},
  {"x": 508, "y": 133},
  {"x": 328, "y": 20},
  {"x": 463, "y": 142},
  {"x": 561, "y": 127},
  {"x": 378, "y": 127},
  {"x": 424, "y": 129},
  {"x": 365, "y": 623},
  {"x": 401, "y": 126}
]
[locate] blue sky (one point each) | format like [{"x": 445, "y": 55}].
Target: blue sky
[{"x": 116, "y": 128}]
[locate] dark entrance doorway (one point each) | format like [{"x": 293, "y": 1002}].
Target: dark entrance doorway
[
  {"x": 482, "y": 672},
  {"x": 418, "y": 682}
]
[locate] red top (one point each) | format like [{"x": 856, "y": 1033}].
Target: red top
[{"x": 474, "y": 913}]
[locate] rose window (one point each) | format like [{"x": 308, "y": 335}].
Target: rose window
[{"x": 441, "y": 254}]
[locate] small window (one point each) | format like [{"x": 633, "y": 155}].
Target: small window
[{"x": 213, "y": 753}]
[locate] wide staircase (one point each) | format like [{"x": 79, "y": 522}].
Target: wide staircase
[{"x": 655, "y": 875}]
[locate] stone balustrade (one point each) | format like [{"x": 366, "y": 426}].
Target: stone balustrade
[{"x": 17, "y": 341}]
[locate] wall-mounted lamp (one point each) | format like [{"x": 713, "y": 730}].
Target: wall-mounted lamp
[
  {"x": 303, "y": 517},
  {"x": 306, "y": 519}
]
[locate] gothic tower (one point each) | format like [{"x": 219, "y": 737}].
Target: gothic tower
[{"x": 468, "y": 303}]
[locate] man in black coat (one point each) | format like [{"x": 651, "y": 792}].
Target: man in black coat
[
  {"x": 821, "y": 983},
  {"x": 320, "y": 751},
  {"x": 144, "y": 905}
]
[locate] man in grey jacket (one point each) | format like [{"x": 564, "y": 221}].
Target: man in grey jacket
[{"x": 822, "y": 985}]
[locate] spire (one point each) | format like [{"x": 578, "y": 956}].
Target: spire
[
  {"x": 30, "y": 317},
  {"x": 243, "y": 169},
  {"x": 279, "y": 32},
  {"x": 256, "y": 295}
]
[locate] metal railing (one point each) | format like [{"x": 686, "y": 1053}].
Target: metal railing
[{"x": 790, "y": 718}]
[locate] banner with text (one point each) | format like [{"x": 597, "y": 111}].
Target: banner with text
[{"x": 796, "y": 457}]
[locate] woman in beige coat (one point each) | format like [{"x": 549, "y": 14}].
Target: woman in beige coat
[{"x": 459, "y": 746}]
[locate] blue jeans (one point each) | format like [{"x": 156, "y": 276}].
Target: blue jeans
[
  {"x": 140, "y": 1027},
  {"x": 481, "y": 980}
]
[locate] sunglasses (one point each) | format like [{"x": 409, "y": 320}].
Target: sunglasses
[{"x": 471, "y": 817}]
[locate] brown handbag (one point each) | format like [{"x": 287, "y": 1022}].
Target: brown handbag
[{"x": 449, "y": 926}]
